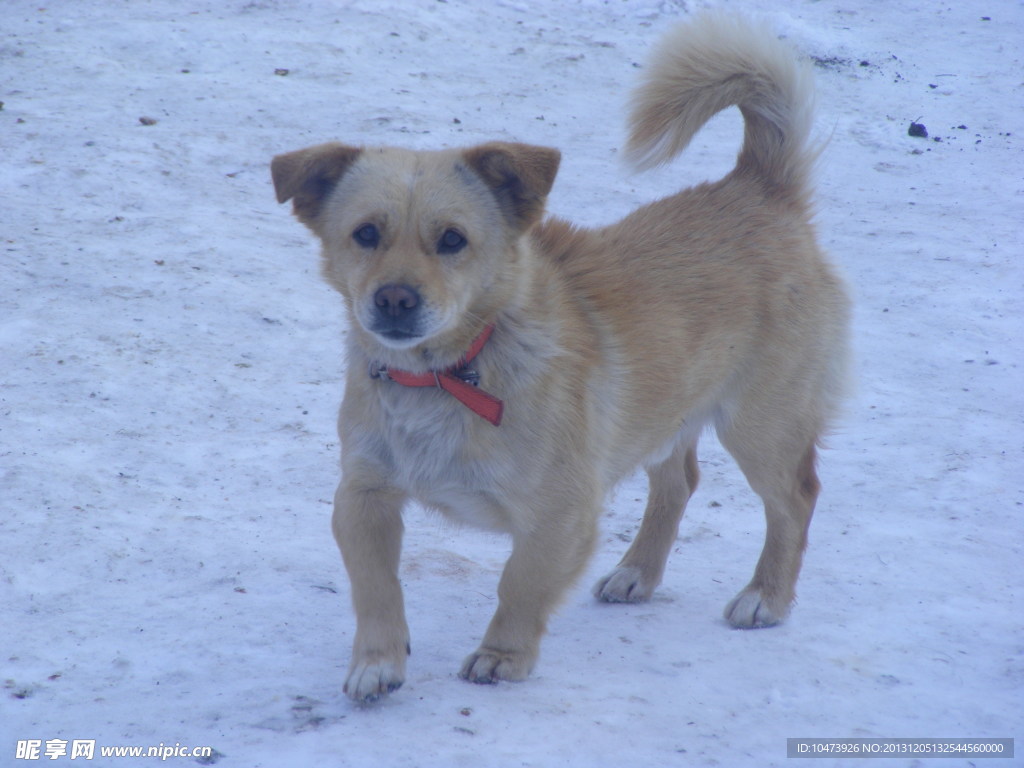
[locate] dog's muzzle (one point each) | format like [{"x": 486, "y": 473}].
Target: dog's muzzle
[{"x": 397, "y": 313}]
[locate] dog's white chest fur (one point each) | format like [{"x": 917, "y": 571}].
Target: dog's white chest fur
[{"x": 425, "y": 442}]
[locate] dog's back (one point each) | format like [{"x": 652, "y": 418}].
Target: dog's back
[{"x": 725, "y": 280}]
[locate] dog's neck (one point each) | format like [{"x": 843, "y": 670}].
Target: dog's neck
[{"x": 458, "y": 380}]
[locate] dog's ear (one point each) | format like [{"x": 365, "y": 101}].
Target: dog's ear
[
  {"x": 309, "y": 175},
  {"x": 519, "y": 175}
]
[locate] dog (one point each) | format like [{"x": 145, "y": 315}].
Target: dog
[{"x": 508, "y": 369}]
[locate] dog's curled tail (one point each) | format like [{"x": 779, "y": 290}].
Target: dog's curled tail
[{"x": 715, "y": 62}]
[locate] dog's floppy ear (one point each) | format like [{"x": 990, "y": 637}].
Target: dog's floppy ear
[
  {"x": 309, "y": 175},
  {"x": 519, "y": 175}
]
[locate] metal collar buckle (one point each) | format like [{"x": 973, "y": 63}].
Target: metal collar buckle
[{"x": 468, "y": 375}]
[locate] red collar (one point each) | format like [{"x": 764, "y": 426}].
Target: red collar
[{"x": 458, "y": 381}]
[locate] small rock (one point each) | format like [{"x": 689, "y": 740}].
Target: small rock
[
  {"x": 918, "y": 130},
  {"x": 148, "y": 120}
]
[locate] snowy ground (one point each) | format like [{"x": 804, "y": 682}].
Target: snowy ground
[{"x": 171, "y": 370}]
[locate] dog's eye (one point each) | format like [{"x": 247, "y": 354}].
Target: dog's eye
[
  {"x": 451, "y": 242},
  {"x": 367, "y": 236}
]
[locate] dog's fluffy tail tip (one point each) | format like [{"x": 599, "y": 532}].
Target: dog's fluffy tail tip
[{"x": 714, "y": 62}]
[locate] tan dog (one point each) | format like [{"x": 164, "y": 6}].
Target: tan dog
[{"x": 611, "y": 348}]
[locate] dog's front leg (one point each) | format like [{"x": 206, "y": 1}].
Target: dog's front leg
[
  {"x": 368, "y": 528},
  {"x": 544, "y": 563}
]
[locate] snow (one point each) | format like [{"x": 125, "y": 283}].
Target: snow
[{"x": 172, "y": 369}]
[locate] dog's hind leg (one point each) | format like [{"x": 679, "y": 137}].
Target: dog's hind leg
[
  {"x": 639, "y": 572},
  {"x": 778, "y": 458}
]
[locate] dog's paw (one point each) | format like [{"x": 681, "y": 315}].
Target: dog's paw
[
  {"x": 488, "y": 666},
  {"x": 370, "y": 679},
  {"x": 750, "y": 609},
  {"x": 625, "y": 584}
]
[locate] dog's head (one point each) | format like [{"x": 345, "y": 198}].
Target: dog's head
[{"x": 424, "y": 246}]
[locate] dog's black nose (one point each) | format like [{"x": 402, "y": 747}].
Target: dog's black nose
[
  {"x": 398, "y": 312},
  {"x": 396, "y": 301}
]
